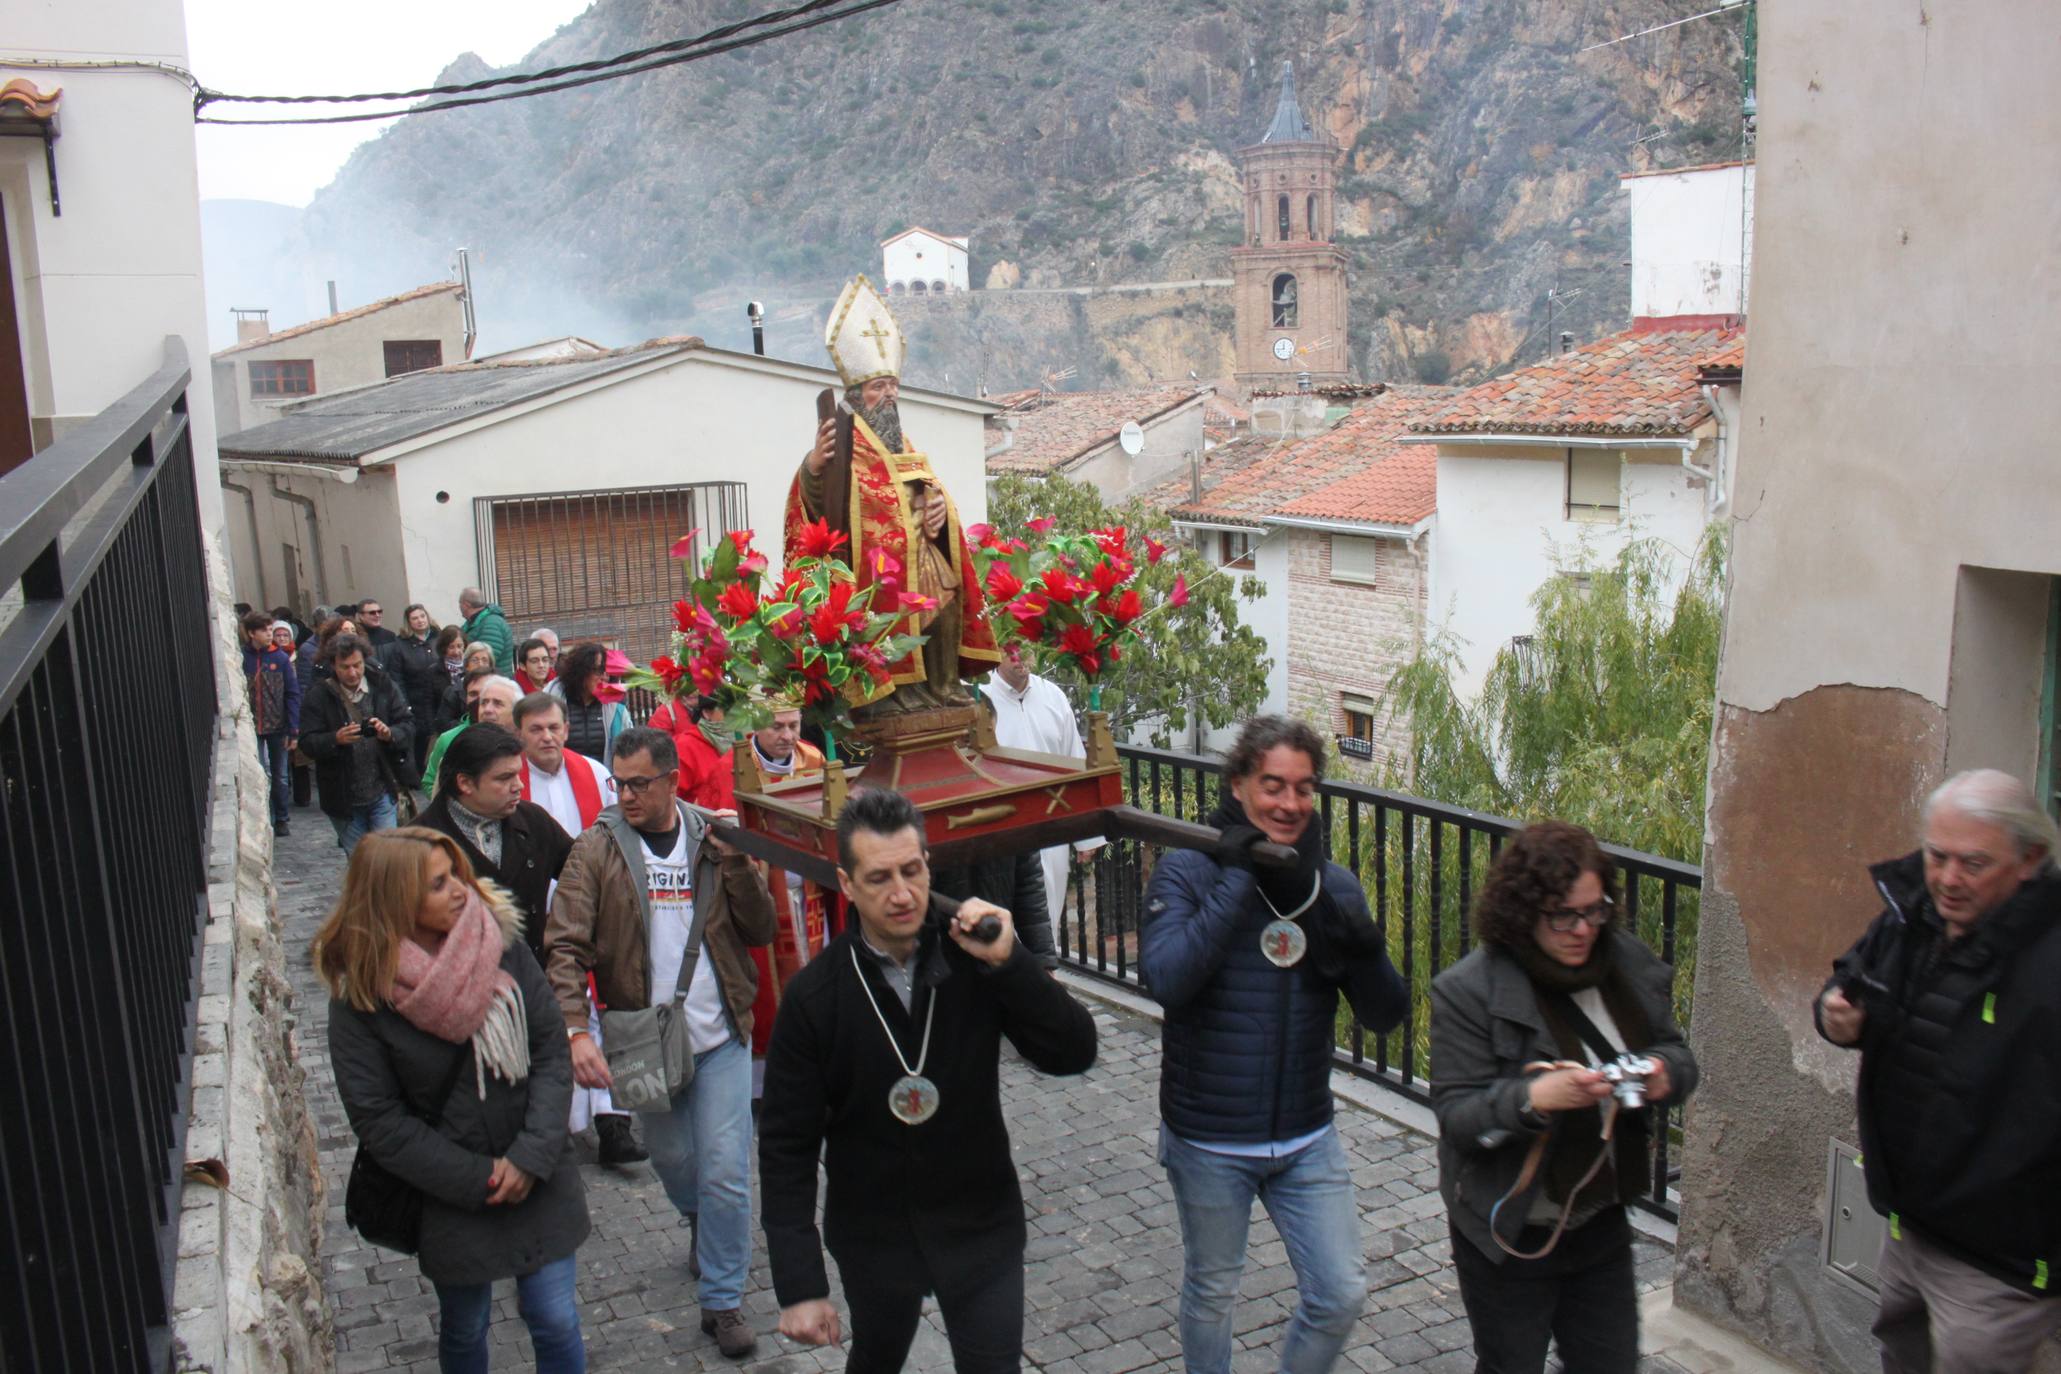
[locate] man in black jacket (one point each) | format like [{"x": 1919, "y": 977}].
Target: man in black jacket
[
  {"x": 1249, "y": 962},
  {"x": 513, "y": 842},
  {"x": 885, "y": 1048},
  {"x": 356, "y": 727},
  {"x": 1952, "y": 997}
]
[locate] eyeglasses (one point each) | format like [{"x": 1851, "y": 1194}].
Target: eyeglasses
[
  {"x": 370, "y": 610},
  {"x": 634, "y": 787},
  {"x": 1597, "y": 914}
]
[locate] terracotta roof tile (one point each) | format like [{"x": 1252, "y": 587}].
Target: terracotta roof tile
[
  {"x": 1356, "y": 470},
  {"x": 1638, "y": 382},
  {"x": 327, "y": 320},
  {"x": 1055, "y": 427},
  {"x": 22, "y": 94}
]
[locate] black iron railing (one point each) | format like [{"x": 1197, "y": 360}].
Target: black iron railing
[
  {"x": 107, "y": 715},
  {"x": 1421, "y": 863}
]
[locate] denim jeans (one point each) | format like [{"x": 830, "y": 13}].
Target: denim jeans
[
  {"x": 546, "y": 1302},
  {"x": 272, "y": 751},
  {"x": 701, "y": 1150},
  {"x": 362, "y": 821},
  {"x": 1309, "y": 1195}
]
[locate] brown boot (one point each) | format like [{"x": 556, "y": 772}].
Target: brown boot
[{"x": 732, "y": 1332}]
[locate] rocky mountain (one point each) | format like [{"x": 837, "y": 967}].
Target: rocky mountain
[{"x": 1079, "y": 144}]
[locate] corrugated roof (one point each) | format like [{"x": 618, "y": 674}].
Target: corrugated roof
[
  {"x": 354, "y": 423},
  {"x": 1053, "y": 428},
  {"x": 339, "y": 318},
  {"x": 1641, "y": 382},
  {"x": 1356, "y": 470}
]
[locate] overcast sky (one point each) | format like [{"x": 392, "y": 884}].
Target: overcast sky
[{"x": 262, "y": 47}]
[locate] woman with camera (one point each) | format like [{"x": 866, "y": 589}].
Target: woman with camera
[
  {"x": 1546, "y": 1043},
  {"x": 451, "y": 1061}
]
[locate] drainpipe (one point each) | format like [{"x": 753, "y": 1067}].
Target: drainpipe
[
  {"x": 307, "y": 506},
  {"x": 257, "y": 545},
  {"x": 1007, "y": 424},
  {"x": 1717, "y": 474}
]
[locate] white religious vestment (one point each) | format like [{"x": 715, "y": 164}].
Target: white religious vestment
[
  {"x": 1040, "y": 719},
  {"x": 554, "y": 792}
]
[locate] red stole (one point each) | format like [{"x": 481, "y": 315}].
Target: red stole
[{"x": 586, "y": 792}]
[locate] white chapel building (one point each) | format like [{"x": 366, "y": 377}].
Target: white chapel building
[{"x": 917, "y": 262}]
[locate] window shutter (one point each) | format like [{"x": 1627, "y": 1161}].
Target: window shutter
[{"x": 1353, "y": 559}]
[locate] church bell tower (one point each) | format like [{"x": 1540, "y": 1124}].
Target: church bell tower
[{"x": 1289, "y": 277}]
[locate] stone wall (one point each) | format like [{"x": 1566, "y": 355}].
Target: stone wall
[
  {"x": 247, "y": 1296},
  {"x": 1352, "y": 637}
]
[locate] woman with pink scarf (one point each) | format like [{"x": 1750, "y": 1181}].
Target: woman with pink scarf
[{"x": 450, "y": 1057}]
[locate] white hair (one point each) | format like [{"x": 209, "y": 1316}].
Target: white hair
[
  {"x": 1994, "y": 797},
  {"x": 498, "y": 681},
  {"x": 543, "y": 631}
]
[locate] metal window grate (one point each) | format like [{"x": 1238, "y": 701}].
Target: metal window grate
[{"x": 598, "y": 564}]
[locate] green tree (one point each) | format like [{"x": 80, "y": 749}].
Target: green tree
[
  {"x": 1601, "y": 716},
  {"x": 1196, "y": 662}
]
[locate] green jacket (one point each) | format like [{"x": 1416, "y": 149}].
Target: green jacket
[
  {"x": 435, "y": 762},
  {"x": 489, "y": 626}
]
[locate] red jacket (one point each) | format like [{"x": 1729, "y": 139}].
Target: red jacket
[{"x": 706, "y": 778}]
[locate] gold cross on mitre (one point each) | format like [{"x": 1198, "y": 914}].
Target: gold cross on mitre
[{"x": 863, "y": 337}]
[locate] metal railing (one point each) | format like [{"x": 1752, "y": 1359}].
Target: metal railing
[
  {"x": 107, "y": 713},
  {"x": 1421, "y": 863}
]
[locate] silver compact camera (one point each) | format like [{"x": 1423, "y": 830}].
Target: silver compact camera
[{"x": 1627, "y": 1075}]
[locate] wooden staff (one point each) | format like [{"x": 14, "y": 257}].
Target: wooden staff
[{"x": 837, "y": 473}]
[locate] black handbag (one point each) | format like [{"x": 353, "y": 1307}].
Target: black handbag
[{"x": 382, "y": 1206}]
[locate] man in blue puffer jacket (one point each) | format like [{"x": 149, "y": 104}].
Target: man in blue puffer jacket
[{"x": 1248, "y": 962}]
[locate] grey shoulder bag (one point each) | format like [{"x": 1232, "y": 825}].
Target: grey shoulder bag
[{"x": 649, "y": 1057}]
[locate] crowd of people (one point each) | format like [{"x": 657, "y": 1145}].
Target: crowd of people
[{"x": 558, "y": 937}]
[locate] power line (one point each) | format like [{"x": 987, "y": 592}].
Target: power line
[
  {"x": 703, "y": 48},
  {"x": 548, "y": 74},
  {"x": 1673, "y": 23}
]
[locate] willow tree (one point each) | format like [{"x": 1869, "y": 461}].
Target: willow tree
[
  {"x": 1194, "y": 663},
  {"x": 1601, "y": 716}
]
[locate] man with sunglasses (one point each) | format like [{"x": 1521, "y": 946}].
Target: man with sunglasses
[{"x": 649, "y": 901}]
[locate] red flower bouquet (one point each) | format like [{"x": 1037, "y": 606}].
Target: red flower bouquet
[{"x": 1069, "y": 597}]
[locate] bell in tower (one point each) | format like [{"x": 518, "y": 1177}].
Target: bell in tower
[{"x": 1289, "y": 277}]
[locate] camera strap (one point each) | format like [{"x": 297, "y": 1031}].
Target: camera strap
[{"x": 1578, "y": 1020}]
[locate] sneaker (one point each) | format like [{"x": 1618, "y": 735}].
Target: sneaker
[
  {"x": 618, "y": 1142},
  {"x": 732, "y": 1332}
]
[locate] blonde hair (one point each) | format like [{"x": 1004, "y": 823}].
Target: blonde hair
[{"x": 358, "y": 949}]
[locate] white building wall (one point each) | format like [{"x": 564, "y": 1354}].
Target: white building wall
[
  {"x": 926, "y": 258},
  {"x": 100, "y": 287},
  {"x": 1503, "y": 530},
  {"x": 1171, "y": 444},
  {"x": 699, "y": 420},
  {"x": 344, "y": 355},
  {"x": 340, "y": 540},
  {"x": 1690, "y": 241}
]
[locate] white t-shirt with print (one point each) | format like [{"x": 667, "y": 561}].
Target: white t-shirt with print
[{"x": 671, "y": 889}]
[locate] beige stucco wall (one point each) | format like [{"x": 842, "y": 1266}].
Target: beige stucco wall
[
  {"x": 350, "y": 353},
  {"x": 342, "y": 538},
  {"x": 1894, "y": 512},
  {"x": 99, "y": 287},
  {"x": 1171, "y": 441}
]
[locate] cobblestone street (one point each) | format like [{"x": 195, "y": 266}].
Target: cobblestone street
[{"x": 1105, "y": 1250}]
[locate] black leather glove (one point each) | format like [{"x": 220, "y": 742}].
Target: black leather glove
[
  {"x": 1234, "y": 845},
  {"x": 1351, "y": 936}
]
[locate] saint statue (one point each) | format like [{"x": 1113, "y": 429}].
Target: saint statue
[{"x": 902, "y": 523}]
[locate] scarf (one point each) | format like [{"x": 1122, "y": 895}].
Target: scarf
[
  {"x": 1285, "y": 888},
  {"x": 484, "y": 831},
  {"x": 718, "y": 733},
  {"x": 1578, "y": 1135},
  {"x": 462, "y": 993}
]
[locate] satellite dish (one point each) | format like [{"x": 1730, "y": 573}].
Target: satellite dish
[{"x": 1131, "y": 438}]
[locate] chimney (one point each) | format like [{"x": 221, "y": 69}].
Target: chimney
[
  {"x": 332, "y": 299},
  {"x": 251, "y": 324}
]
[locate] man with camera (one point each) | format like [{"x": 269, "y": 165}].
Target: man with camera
[
  {"x": 884, "y": 1064},
  {"x": 1953, "y": 996},
  {"x": 356, "y": 726}
]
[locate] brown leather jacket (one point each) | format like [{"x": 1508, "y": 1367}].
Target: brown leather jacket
[{"x": 600, "y": 924}]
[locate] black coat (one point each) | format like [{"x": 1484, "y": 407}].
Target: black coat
[
  {"x": 1248, "y": 1046},
  {"x": 942, "y": 1194},
  {"x": 1960, "y": 1084},
  {"x": 533, "y": 850},
  {"x": 323, "y": 713},
  {"x": 1016, "y": 883},
  {"x": 386, "y": 1072},
  {"x": 417, "y": 668}
]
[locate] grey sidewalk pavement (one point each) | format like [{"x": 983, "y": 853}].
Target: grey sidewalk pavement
[{"x": 1104, "y": 1261}]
